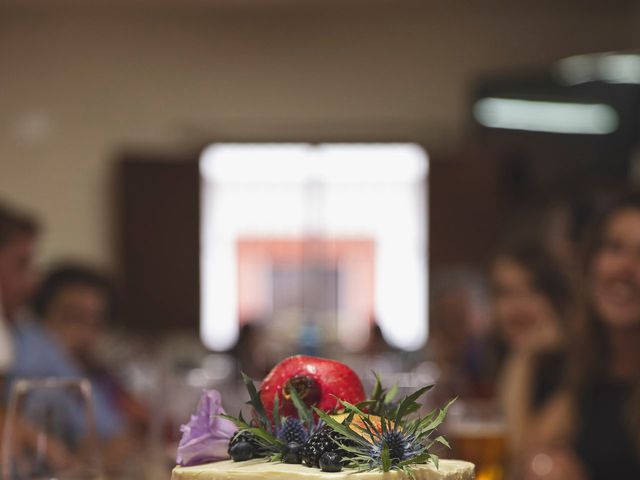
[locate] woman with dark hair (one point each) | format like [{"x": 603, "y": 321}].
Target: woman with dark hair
[
  {"x": 592, "y": 431},
  {"x": 532, "y": 301}
]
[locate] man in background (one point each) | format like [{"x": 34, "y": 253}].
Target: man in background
[{"x": 18, "y": 235}]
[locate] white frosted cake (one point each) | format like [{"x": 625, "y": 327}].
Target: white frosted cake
[
  {"x": 258, "y": 468},
  {"x": 311, "y": 420}
]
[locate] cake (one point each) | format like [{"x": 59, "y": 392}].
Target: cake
[
  {"x": 258, "y": 468},
  {"x": 311, "y": 420}
]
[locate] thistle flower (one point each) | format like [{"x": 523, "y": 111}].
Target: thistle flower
[{"x": 390, "y": 441}]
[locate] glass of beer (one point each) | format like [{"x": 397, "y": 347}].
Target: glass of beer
[{"x": 477, "y": 433}]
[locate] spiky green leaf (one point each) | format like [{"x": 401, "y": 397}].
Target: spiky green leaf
[
  {"x": 276, "y": 411},
  {"x": 391, "y": 394},
  {"x": 268, "y": 439},
  {"x": 304, "y": 413},
  {"x": 408, "y": 402},
  {"x": 386, "y": 459},
  {"x": 255, "y": 400},
  {"x": 436, "y": 422},
  {"x": 340, "y": 428},
  {"x": 442, "y": 441}
]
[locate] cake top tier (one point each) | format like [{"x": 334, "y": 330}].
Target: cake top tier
[
  {"x": 259, "y": 468},
  {"x": 313, "y": 411}
]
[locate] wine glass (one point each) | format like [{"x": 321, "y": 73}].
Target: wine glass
[{"x": 49, "y": 431}]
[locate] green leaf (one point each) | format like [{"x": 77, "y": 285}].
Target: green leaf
[
  {"x": 413, "y": 408},
  {"x": 365, "y": 403},
  {"x": 276, "y": 457},
  {"x": 340, "y": 428},
  {"x": 239, "y": 422},
  {"x": 443, "y": 441},
  {"x": 377, "y": 389},
  {"x": 386, "y": 459},
  {"x": 351, "y": 407},
  {"x": 349, "y": 419},
  {"x": 391, "y": 394},
  {"x": 436, "y": 461},
  {"x": 421, "y": 458},
  {"x": 276, "y": 411},
  {"x": 409, "y": 471},
  {"x": 435, "y": 423},
  {"x": 408, "y": 401},
  {"x": 255, "y": 400},
  {"x": 266, "y": 436},
  {"x": 383, "y": 426},
  {"x": 303, "y": 411}
]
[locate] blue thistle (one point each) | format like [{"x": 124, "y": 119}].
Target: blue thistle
[
  {"x": 394, "y": 439},
  {"x": 292, "y": 430},
  {"x": 401, "y": 446}
]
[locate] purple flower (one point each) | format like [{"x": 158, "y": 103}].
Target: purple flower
[{"x": 206, "y": 437}]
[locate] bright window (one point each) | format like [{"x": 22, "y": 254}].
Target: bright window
[{"x": 333, "y": 235}]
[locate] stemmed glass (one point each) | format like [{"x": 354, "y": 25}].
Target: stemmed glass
[{"x": 49, "y": 431}]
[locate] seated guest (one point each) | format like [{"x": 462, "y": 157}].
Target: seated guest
[
  {"x": 18, "y": 236},
  {"x": 532, "y": 303},
  {"x": 74, "y": 304},
  {"x": 458, "y": 327},
  {"x": 592, "y": 430}
]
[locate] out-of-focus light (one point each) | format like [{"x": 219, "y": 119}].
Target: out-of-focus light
[
  {"x": 544, "y": 116},
  {"x": 542, "y": 464},
  {"x": 33, "y": 127},
  {"x": 621, "y": 68}
]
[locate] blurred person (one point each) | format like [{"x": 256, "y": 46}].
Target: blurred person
[
  {"x": 533, "y": 303},
  {"x": 376, "y": 344},
  {"x": 249, "y": 351},
  {"x": 566, "y": 222},
  {"x": 73, "y": 306},
  {"x": 558, "y": 224},
  {"x": 592, "y": 430},
  {"x": 18, "y": 235},
  {"x": 458, "y": 329}
]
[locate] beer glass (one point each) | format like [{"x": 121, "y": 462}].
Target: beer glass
[
  {"x": 477, "y": 433},
  {"x": 49, "y": 431}
]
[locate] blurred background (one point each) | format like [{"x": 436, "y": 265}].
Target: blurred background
[{"x": 196, "y": 188}]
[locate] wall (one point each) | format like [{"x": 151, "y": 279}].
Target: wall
[{"x": 80, "y": 83}]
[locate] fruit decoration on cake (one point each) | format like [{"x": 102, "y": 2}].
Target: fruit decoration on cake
[
  {"x": 319, "y": 382},
  {"x": 313, "y": 411}
]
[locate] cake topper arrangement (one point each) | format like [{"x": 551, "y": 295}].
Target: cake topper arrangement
[{"x": 313, "y": 411}]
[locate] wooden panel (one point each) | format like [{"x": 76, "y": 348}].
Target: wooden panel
[
  {"x": 159, "y": 243},
  {"x": 465, "y": 199}
]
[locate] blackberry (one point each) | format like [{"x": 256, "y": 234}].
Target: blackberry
[
  {"x": 330, "y": 462},
  {"x": 322, "y": 441},
  {"x": 244, "y": 436},
  {"x": 292, "y": 453},
  {"x": 241, "y": 451},
  {"x": 293, "y": 430}
]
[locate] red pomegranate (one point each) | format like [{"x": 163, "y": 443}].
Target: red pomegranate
[{"x": 317, "y": 381}]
